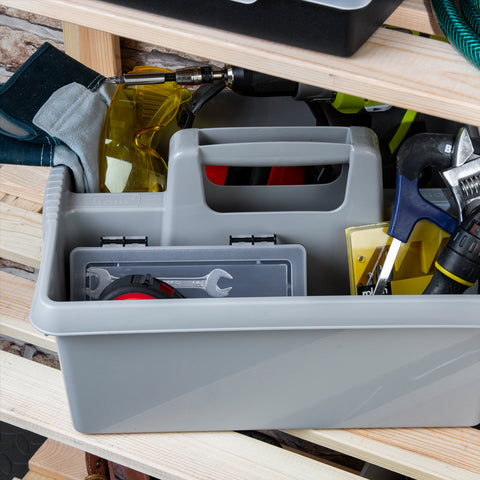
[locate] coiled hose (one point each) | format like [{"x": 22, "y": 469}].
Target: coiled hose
[{"x": 461, "y": 25}]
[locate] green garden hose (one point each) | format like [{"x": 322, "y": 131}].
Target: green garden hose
[{"x": 461, "y": 25}]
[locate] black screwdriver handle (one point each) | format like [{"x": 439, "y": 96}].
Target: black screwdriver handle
[{"x": 256, "y": 84}]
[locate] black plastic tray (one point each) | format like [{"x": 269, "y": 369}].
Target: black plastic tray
[{"x": 335, "y": 27}]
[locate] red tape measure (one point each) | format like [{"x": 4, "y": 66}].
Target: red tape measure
[{"x": 139, "y": 287}]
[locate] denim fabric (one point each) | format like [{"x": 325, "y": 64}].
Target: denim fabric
[
  {"x": 22, "y": 96},
  {"x": 29, "y": 88},
  {"x": 21, "y": 152}
]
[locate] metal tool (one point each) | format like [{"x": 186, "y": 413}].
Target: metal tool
[
  {"x": 240, "y": 80},
  {"x": 99, "y": 278},
  {"x": 208, "y": 282},
  {"x": 463, "y": 178},
  {"x": 416, "y": 153},
  {"x": 182, "y": 76}
]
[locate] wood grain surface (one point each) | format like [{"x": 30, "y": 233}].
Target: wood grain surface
[
  {"x": 58, "y": 461},
  {"x": 94, "y": 48},
  {"x": 420, "y": 453}
]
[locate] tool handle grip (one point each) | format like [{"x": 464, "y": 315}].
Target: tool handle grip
[
  {"x": 458, "y": 265},
  {"x": 440, "y": 284},
  {"x": 410, "y": 207},
  {"x": 424, "y": 150},
  {"x": 416, "y": 153},
  {"x": 256, "y": 84}
]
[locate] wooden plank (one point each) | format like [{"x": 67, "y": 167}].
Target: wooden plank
[
  {"x": 96, "y": 49},
  {"x": 59, "y": 461},
  {"x": 20, "y": 235},
  {"x": 20, "y": 203},
  {"x": 24, "y": 181},
  {"x": 392, "y": 67},
  {"x": 323, "y": 460},
  {"x": 459, "y": 447},
  {"x": 15, "y": 298},
  {"x": 420, "y": 453},
  {"x": 33, "y": 397},
  {"x": 35, "y": 476},
  {"x": 415, "y": 15}
]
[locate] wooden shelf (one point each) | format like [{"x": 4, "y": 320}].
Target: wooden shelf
[{"x": 394, "y": 67}]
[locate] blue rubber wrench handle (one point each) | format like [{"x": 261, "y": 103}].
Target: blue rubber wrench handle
[
  {"x": 410, "y": 207},
  {"x": 416, "y": 153}
]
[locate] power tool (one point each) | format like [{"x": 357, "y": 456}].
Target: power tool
[
  {"x": 240, "y": 80},
  {"x": 458, "y": 265}
]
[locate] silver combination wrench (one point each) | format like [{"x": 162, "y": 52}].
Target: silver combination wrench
[{"x": 99, "y": 278}]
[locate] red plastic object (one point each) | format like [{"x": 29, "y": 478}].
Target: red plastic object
[
  {"x": 216, "y": 174},
  {"x": 278, "y": 175},
  {"x": 134, "y": 296},
  {"x": 286, "y": 176}
]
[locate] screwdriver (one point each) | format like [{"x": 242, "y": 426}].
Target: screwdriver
[
  {"x": 416, "y": 153},
  {"x": 240, "y": 80},
  {"x": 183, "y": 76},
  {"x": 458, "y": 265}
]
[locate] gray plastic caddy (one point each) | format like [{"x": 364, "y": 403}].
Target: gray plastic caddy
[{"x": 326, "y": 359}]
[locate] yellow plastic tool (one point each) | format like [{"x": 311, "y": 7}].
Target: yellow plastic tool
[{"x": 414, "y": 265}]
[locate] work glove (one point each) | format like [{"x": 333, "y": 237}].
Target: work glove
[{"x": 51, "y": 113}]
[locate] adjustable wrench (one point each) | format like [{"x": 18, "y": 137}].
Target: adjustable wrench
[
  {"x": 99, "y": 278},
  {"x": 463, "y": 179}
]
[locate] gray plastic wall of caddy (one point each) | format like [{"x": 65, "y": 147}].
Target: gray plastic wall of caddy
[
  {"x": 198, "y": 212},
  {"x": 318, "y": 361}
]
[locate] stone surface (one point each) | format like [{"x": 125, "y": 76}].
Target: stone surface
[
  {"x": 20, "y": 36},
  {"x": 31, "y": 17},
  {"x": 21, "y": 33}
]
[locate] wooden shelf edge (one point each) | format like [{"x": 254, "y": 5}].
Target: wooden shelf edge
[{"x": 423, "y": 453}]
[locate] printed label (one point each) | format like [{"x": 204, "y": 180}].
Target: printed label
[{"x": 368, "y": 289}]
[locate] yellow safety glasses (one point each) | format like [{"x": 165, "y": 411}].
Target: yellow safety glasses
[{"x": 130, "y": 157}]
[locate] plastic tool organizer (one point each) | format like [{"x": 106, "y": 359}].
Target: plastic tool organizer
[
  {"x": 238, "y": 270},
  {"x": 338, "y": 27},
  {"x": 326, "y": 359}
]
